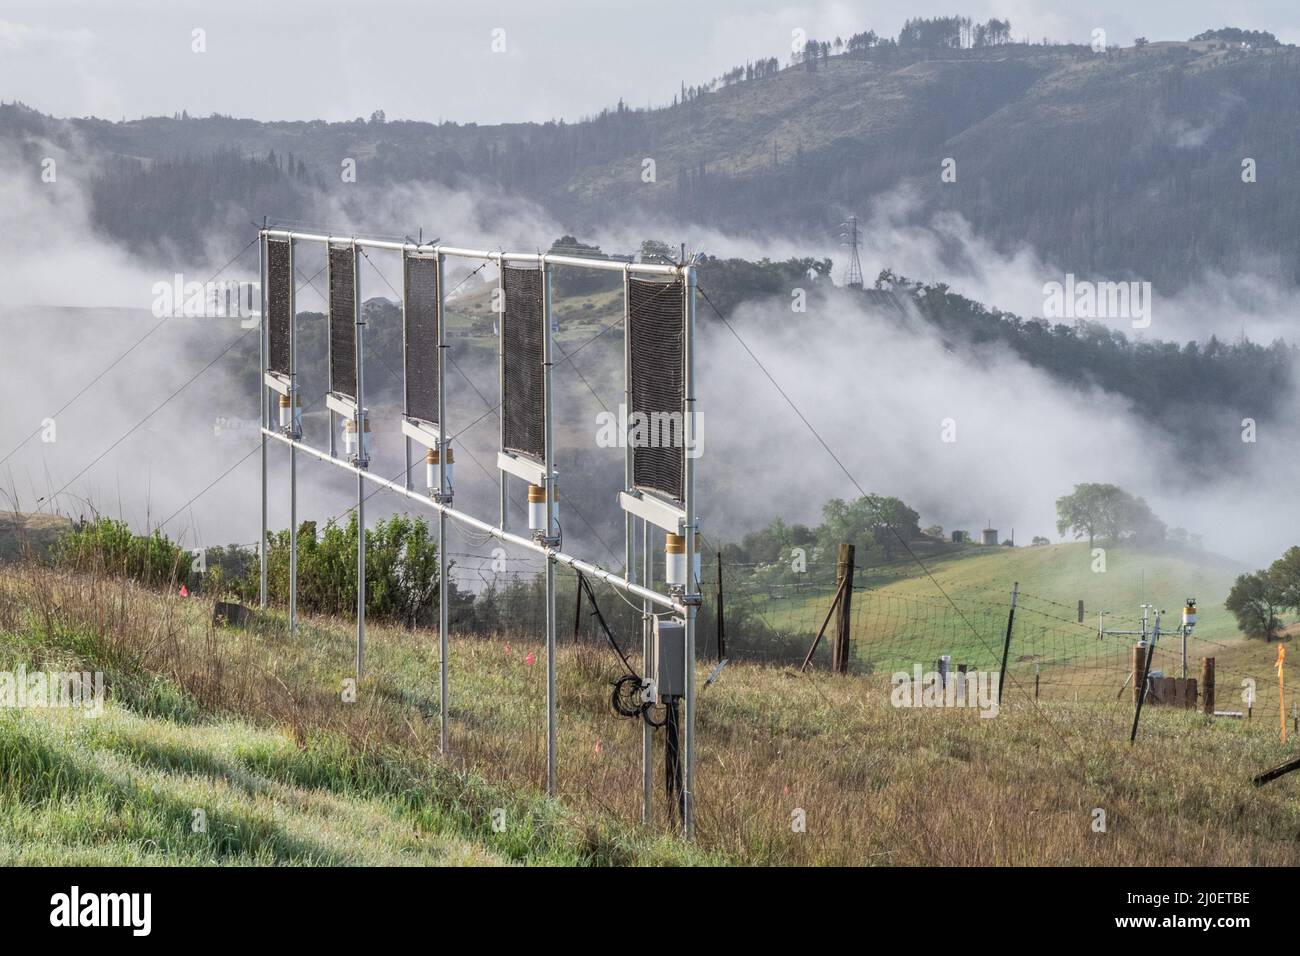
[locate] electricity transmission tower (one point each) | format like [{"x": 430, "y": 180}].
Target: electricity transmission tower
[{"x": 849, "y": 237}]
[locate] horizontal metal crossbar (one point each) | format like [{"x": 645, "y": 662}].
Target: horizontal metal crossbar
[
  {"x": 455, "y": 252},
  {"x": 587, "y": 568}
]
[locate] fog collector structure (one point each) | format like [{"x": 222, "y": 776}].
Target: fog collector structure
[{"x": 659, "y": 482}]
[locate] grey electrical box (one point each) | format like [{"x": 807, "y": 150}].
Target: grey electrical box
[{"x": 669, "y": 657}]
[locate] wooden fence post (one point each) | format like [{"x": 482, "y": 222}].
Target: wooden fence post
[
  {"x": 835, "y": 603},
  {"x": 844, "y": 613},
  {"x": 1207, "y": 685},
  {"x": 1135, "y": 671},
  {"x": 1006, "y": 647}
]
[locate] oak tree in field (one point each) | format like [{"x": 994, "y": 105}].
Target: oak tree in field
[
  {"x": 1107, "y": 511},
  {"x": 1285, "y": 575},
  {"x": 1255, "y": 600}
]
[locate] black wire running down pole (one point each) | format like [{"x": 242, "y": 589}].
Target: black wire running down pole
[
  {"x": 577, "y": 612},
  {"x": 722, "y": 624},
  {"x": 1006, "y": 645},
  {"x": 1146, "y": 674}
]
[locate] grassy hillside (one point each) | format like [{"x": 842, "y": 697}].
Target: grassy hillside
[
  {"x": 249, "y": 726},
  {"x": 902, "y": 617}
]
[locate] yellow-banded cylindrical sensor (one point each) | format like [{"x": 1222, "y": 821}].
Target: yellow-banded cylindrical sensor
[
  {"x": 675, "y": 560},
  {"x": 431, "y": 468},
  {"x": 350, "y": 435},
  {"x": 537, "y": 506}
]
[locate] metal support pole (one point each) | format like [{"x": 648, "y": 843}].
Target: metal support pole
[
  {"x": 1184, "y": 652},
  {"x": 691, "y": 527},
  {"x": 444, "y": 634},
  {"x": 647, "y": 732},
  {"x": 552, "y": 735},
  {"x": 293, "y": 452},
  {"x": 262, "y": 390},
  {"x": 501, "y": 384},
  {"x": 629, "y": 530},
  {"x": 363, "y": 462},
  {"x": 293, "y": 535},
  {"x": 406, "y": 385},
  {"x": 361, "y": 578},
  {"x": 630, "y": 533}
]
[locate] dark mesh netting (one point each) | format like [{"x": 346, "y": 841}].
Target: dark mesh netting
[
  {"x": 421, "y": 316},
  {"x": 279, "y": 305},
  {"x": 657, "y": 343},
  {"x": 523, "y": 377},
  {"x": 343, "y": 321}
]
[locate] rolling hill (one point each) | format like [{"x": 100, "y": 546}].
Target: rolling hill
[
  {"x": 903, "y": 616},
  {"x": 1126, "y": 164}
]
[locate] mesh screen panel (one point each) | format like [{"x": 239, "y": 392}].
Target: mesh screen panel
[
  {"x": 523, "y": 378},
  {"x": 657, "y": 340},
  {"x": 421, "y": 317},
  {"x": 343, "y": 321},
  {"x": 279, "y": 305}
]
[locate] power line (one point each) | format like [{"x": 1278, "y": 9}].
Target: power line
[
  {"x": 113, "y": 364},
  {"x": 130, "y": 431},
  {"x": 861, "y": 491}
]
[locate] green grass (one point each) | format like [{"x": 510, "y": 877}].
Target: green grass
[
  {"x": 127, "y": 790},
  {"x": 126, "y": 787},
  {"x": 249, "y": 726},
  {"x": 902, "y": 616}
]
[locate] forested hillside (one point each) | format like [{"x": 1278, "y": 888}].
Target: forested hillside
[{"x": 1126, "y": 163}]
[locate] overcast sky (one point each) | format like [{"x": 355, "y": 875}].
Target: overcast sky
[{"x": 433, "y": 59}]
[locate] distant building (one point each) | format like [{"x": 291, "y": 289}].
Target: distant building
[{"x": 991, "y": 537}]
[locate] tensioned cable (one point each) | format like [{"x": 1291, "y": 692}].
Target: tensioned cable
[
  {"x": 225, "y": 473},
  {"x": 921, "y": 564},
  {"x": 113, "y": 364},
  {"x": 130, "y": 431}
]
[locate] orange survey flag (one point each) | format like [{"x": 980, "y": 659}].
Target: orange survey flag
[{"x": 1281, "y": 689}]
